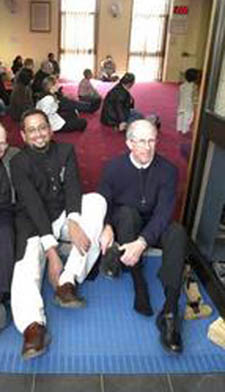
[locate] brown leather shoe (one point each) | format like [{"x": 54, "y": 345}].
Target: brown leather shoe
[
  {"x": 36, "y": 340},
  {"x": 66, "y": 297}
]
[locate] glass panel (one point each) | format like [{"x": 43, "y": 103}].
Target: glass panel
[
  {"x": 220, "y": 96},
  {"x": 77, "y": 37},
  {"x": 147, "y": 38}
]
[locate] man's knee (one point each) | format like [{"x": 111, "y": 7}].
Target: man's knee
[
  {"x": 177, "y": 230},
  {"x": 96, "y": 201},
  {"x": 126, "y": 212}
]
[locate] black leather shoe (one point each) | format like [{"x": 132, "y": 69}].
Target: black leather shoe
[
  {"x": 110, "y": 266},
  {"x": 168, "y": 325}
]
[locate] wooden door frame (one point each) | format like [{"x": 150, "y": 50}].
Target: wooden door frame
[{"x": 195, "y": 167}]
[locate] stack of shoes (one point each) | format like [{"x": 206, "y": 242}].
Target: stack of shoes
[
  {"x": 110, "y": 266},
  {"x": 195, "y": 309},
  {"x": 216, "y": 332}
]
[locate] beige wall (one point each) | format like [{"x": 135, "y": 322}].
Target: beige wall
[
  {"x": 112, "y": 36},
  {"x": 192, "y": 42},
  {"x": 16, "y": 37}
]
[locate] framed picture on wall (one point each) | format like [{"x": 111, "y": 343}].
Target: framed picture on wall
[{"x": 40, "y": 16}]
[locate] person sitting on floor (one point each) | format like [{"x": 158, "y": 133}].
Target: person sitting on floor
[
  {"x": 17, "y": 64},
  {"x": 140, "y": 202},
  {"x": 21, "y": 97},
  {"x": 4, "y": 94},
  {"x": 55, "y": 64},
  {"x": 28, "y": 64},
  {"x": 61, "y": 118},
  {"x": 86, "y": 92},
  {"x": 108, "y": 70},
  {"x": 50, "y": 207},
  {"x": 118, "y": 106},
  {"x": 6, "y": 225},
  {"x": 45, "y": 70}
]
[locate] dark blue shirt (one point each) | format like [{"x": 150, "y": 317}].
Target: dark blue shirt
[{"x": 152, "y": 191}]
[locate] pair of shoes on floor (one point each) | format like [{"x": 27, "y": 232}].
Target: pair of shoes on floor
[
  {"x": 170, "y": 337},
  {"x": 35, "y": 340},
  {"x": 110, "y": 265},
  {"x": 66, "y": 296},
  {"x": 195, "y": 309}
]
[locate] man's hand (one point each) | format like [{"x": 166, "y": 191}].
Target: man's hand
[
  {"x": 132, "y": 252},
  {"x": 122, "y": 126},
  {"x": 78, "y": 237},
  {"x": 106, "y": 238},
  {"x": 55, "y": 266}
]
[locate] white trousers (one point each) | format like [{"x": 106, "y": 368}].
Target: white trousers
[
  {"x": 26, "y": 300},
  {"x": 184, "y": 121}
]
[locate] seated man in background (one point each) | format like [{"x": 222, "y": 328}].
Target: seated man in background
[
  {"x": 50, "y": 207},
  {"x": 55, "y": 64},
  {"x": 118, "y": 105},
  {"x": 21, "y": 98},
  {"x": 45, "y": 70},
  {"x": 86, "y": 91},
  {"x": 140, "y": 189},
  {"x": 6, "y": 225},
  {"x": 108, "y": 70}
]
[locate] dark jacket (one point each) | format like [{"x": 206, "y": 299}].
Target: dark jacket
[
  {"x": 20, "y": 100},
  {"x": 151, "y": 191},
  {"x": 45, "y": 184},
  {"x": 5, "y": 188},
  {"x": 37, "y": 82},
  {"x": 4, "y": 95},
  {"x": 116, "y": 106},
  {"x": 6, "y": 191}
]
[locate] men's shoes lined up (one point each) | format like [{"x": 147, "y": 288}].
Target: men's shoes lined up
[{"x": 168, "y": 325}]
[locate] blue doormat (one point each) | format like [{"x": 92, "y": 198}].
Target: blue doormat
[{"x": 108, "y": 337}]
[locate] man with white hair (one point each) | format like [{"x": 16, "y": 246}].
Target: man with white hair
[
  {"x": 140, "y": 189},
  {"x": 6, "y": 224}
]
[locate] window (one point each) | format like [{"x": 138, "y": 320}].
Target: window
[
  {"x": 77, "y": 48},
  {"x": 147, "y": 41}
]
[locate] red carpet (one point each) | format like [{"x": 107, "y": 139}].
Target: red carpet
[{"x": 99, "y": 143}]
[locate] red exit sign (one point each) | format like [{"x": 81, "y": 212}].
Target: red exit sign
[{"x": 180, "y": 10}]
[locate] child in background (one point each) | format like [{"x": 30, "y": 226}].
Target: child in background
[
  {"x": 188, "y": 97},
  {"x": 86, "y": 92}
]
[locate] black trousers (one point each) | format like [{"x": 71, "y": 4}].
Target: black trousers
[
  {"x": 128, "y": 223},
  {"x": 6, "y": 251}
]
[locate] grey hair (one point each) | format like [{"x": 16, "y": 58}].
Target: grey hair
[{"x": 138, "y": 125}]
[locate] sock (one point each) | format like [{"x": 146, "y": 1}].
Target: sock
[
  {"x": 141, "y": 299},
  {"x": 172, "y": 297}
]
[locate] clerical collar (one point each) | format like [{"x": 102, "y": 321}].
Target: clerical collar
[{"x": 139, "y": 165}]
